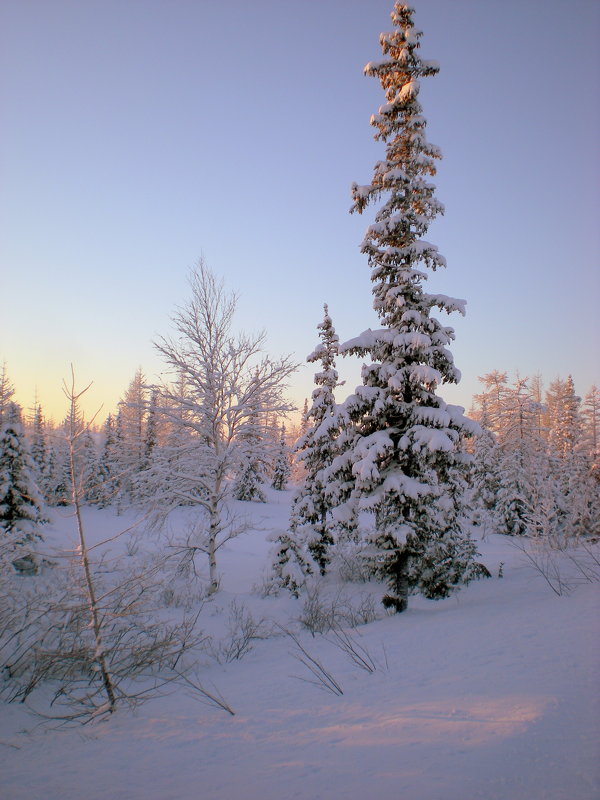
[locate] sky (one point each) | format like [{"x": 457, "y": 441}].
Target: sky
[{"x": 138, "y": 136}]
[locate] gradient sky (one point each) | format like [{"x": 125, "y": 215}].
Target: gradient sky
[{"x": 138, "y": 135}]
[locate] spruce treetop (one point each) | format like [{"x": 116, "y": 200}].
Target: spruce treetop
[{"x": 413, "y": 347}]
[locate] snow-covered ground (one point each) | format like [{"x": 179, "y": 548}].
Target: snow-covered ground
[{"x": 492, "y": 694}]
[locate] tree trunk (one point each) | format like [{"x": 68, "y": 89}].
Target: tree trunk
[
  {"x": 398, "y": 582},
  {"x": 99, "y": 656},
  {"x": 212, "y": 547}
]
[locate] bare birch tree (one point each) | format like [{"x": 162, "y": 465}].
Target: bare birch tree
[
  {"x": 76, "y": 430},
  {"x": 222, "y": 379}
]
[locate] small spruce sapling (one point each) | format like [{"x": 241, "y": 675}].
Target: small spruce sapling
[
  {"x": 310, "y": 519},
  {"x": 21, "y": 503}
]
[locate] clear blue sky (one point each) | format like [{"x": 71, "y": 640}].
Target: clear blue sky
[{"x": 139, "y": 134}]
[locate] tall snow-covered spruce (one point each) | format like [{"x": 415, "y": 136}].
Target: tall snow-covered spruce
[{"x": 407, "y": 448}]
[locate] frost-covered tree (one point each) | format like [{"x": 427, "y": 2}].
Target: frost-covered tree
[
  {"x": 537, "y": 391},
  {"x": 131, "y": 435},
  {"x": 174, "y": 467},
  {"x": 39, "y": 445},
  {"x": 485, "y": 478},
  {"x": 249, "y": 482},
  {"x": 339, "y": 481},
  {"x": 518, "y": 422},
  {"x": 537, "y": 476},
  {"x": 21, "y": 503},
  {"x": 151, "y": 432},
  {"x": 107, "y": 469},
  {"x": 6, "y": 393},
  {"x": 407, "y": 453},
  {"x": 487, "y": 453},
  {"x": 291, "y": 563},
  {"x": 297, "y": 467},
  {"x": 572, "y": 464},
  {"x": 489, "y": 404},
  {"x": 57, "y": 485},
  {"x": 88, "y": 469},
  {"x": 513, "y": 505},
  {"x": 133, "y": 411},
  {"x": 252, "y": 460},
  {"x": 524, "y": 467},
  {"x": 563, "y": 417},
  {"x": 222, "y": 380},
  {"x": 304, "y": 419},
  {"x": 81, "y": 451},
  {"x": 281, "y": 467},
  {"x": 591, "y": 427},
  {"x": 510, "y": 464},
  {"x": 153, "y": 436}
]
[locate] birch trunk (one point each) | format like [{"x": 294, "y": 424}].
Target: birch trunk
[{"x": 99, "y": 656}]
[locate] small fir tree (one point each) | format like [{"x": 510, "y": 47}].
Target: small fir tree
[
  {"x": 591, "y": 423},
  {"x": 297, "y": 466},
  {"x": 107, "y": 483},
  {"x": 39, "y": 445},
  {"x": 290, "y": 567},
  {"x": 489, "y": 404},
  {"x": 485, "y": 478},
  {"x": 517, "y": 421},
  {"x": 563, "y": 417},
  {"x": 310, "y": 519},
  {"x": 57, "y": 484},
  {"x": 304, "y": 419},
  {"x": 252, "y": 457},
  {"x": 132, "y": 423},
  {"x": 573, "y": 462},
  {"x": 6, "y": 393},
  {"x": 281, "y": 468},
  {"x": 88, "y": 469},
  {"x": 151, "y": 433},
  {"x": 513, "y": 507},
  {"x": 144, "y": 478},
  {"x": 21, "y": 503},
  {"x": 511, "y": 465}
]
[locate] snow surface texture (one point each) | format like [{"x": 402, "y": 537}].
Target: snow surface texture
[{"x": 489, "y": 694}]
